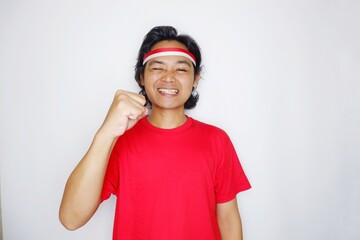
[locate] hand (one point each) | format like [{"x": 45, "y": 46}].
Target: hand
[{"x": 126, "y": 109}]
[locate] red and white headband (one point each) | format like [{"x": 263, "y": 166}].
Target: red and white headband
[{"x": 160, "y": 52}]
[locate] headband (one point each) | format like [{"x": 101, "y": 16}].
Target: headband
[{"x": 160, "y": 52}]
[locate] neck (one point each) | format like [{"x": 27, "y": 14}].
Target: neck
[{"x": 167, "y": 119}]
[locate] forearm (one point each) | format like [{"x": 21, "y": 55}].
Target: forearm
[
  {"x": 229, "y": 220},
  {"x": 82, "y": 192},
  {"x": 231, "y": 230}
]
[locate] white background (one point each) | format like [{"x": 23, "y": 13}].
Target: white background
[{"x": 281, "y": 77}]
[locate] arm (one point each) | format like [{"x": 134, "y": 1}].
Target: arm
[
  {"x": 229, "y": 220},
  {"x": 83, "y": 189}
]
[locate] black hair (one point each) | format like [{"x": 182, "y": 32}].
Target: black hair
[{"x": 162, "y": 33}]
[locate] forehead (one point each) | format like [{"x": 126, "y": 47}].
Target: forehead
[{"x": 168, "y": 44}]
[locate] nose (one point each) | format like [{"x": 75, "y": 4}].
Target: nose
[{"x": 168, "y": 77}]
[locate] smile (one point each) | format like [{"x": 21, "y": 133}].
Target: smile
[{"x": 168, "y": 91}]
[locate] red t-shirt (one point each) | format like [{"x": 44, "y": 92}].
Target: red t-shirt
[{"x": 168, "y": 181}]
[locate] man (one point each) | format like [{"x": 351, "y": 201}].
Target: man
[{"x": 174, "y": 177}]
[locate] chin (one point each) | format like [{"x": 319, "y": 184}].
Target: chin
[{"x": 169, "y": 106}]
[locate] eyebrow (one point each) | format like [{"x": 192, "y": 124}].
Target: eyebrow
[
  {"x": 155, "y": 62},
  {"x": 184, "y": 62}
]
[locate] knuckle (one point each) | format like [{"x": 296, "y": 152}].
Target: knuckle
[
  {"x": 118, "y": 92},
  {"x": 121, "y": 96}
]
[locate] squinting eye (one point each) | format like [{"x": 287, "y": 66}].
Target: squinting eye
[
  {"x": 182, "y": 70},
  {"x": 156, "y": 69}
]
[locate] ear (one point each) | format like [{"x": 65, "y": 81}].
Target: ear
[
  {"x": 196, "y": 80},
  {"x": 142, "y": 79}
]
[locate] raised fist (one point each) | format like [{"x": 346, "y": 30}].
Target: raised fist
[{"x": 126, "y": 109}]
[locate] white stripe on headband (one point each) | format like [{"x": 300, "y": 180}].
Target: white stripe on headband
[{"x": 169, "y": 52}]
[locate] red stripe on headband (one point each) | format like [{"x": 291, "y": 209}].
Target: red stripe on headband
[{"x": 159, "y": 50}]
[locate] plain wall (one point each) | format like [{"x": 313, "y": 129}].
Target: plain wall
[{"x": 281, "y": 77}]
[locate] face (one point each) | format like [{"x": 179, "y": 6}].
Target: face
[{"x": 168, "y": 80}]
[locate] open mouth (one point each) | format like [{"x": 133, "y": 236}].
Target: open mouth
[{"x": 168, "y": 91}]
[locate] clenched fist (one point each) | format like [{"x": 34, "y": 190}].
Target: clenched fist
[{"x": 126, "y": 109}]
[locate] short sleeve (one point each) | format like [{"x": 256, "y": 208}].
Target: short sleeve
[
  {"x": 111, "y": 179},
  {"x": 230, "y": 177}
]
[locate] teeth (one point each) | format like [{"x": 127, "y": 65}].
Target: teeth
[{"x": 168, "y": 91}]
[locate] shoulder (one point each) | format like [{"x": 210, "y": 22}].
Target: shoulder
[
  {"x": 209, "y": 130},
  {"x": 207, "y": 126}
]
